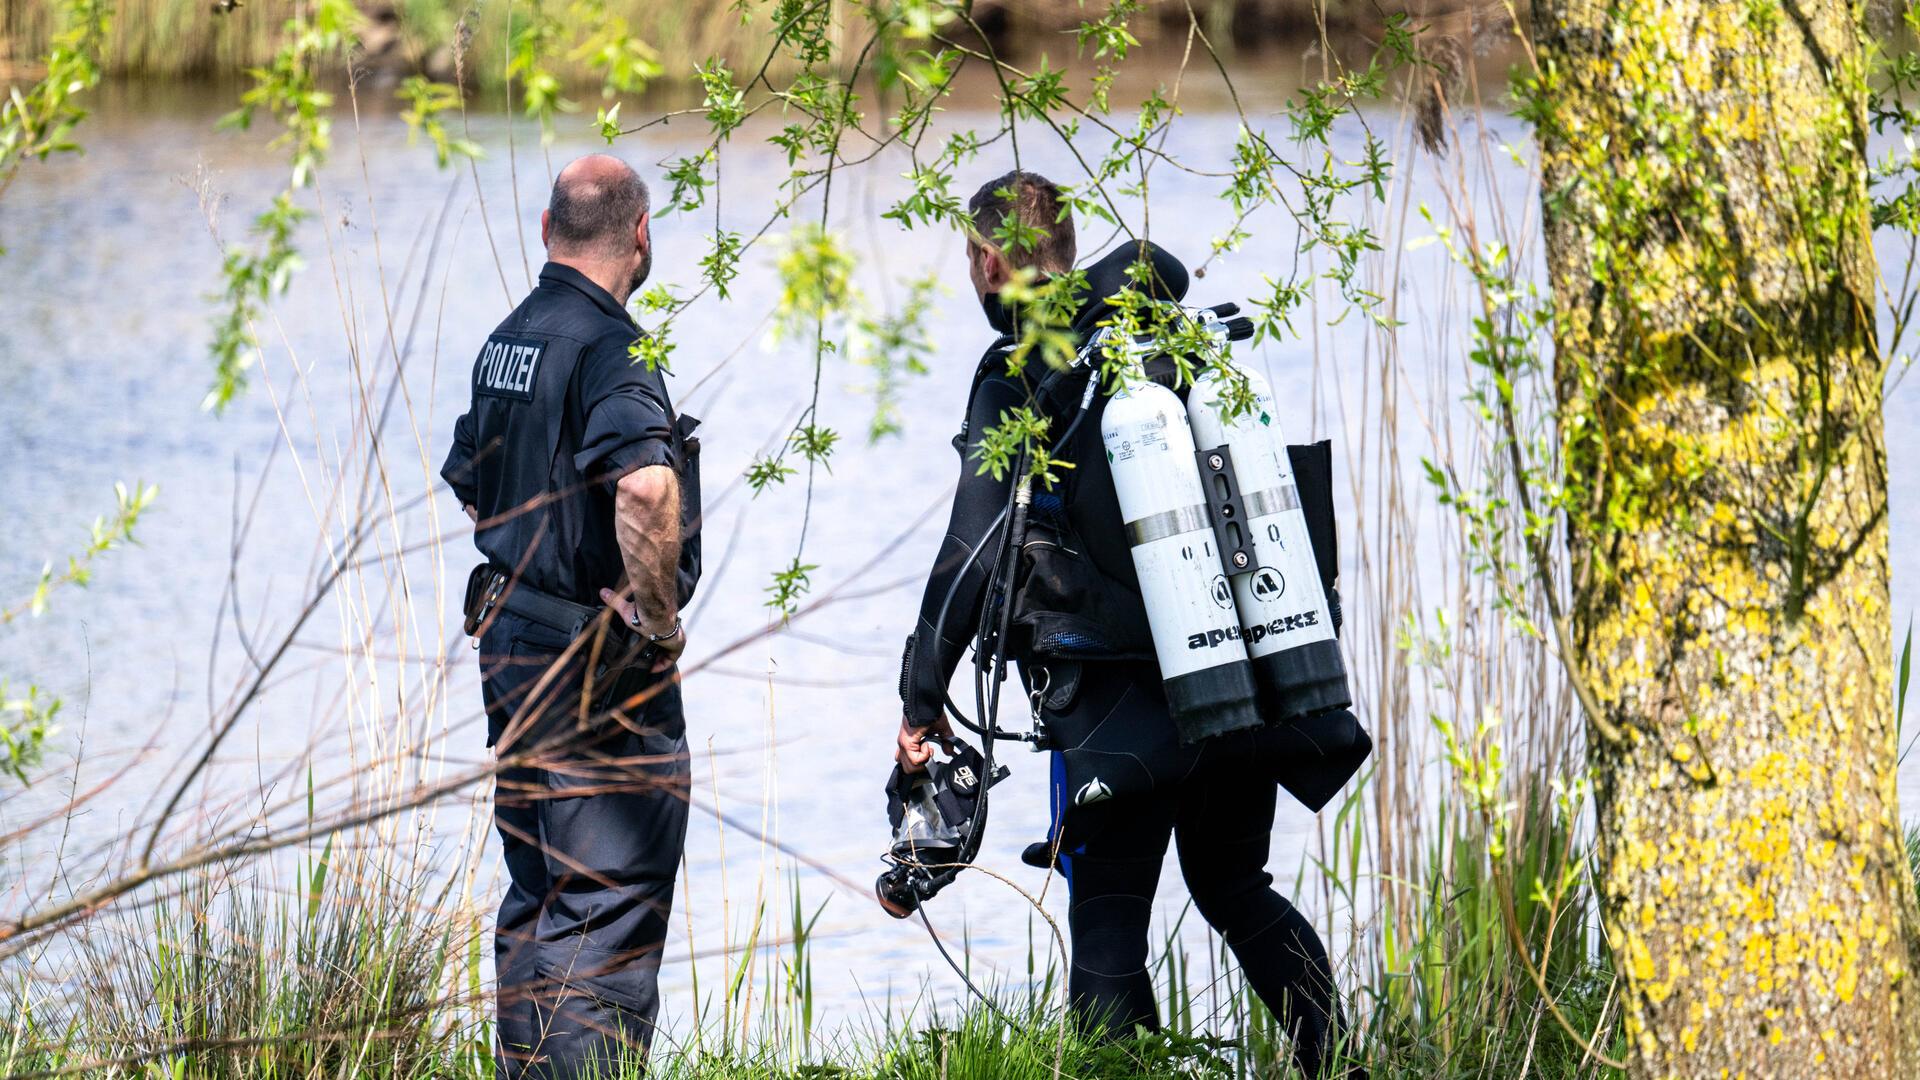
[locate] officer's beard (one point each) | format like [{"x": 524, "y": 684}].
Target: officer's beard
[{"x": 640, "y": 272}]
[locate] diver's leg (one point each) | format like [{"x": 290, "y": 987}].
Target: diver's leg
[
  {"x": 1111, "y": 879},
  {"x": 1224, "y": 832}
]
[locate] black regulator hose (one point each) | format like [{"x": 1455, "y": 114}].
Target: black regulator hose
[
  {"x": 985, "y": 725},
  {"x": 996, "y": 625},
  {"x": 946, "y": 605},
  {"x": 990, "y": 641}
]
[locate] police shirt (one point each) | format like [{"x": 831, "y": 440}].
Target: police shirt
[{"x": 560, "y": 411}]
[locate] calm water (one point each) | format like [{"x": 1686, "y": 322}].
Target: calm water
[{"x": 103, "y": 331}]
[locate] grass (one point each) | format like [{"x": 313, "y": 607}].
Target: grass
[
  {"x": 230, "y": 980},
  {"x": 174, "y": 38},
  {"x": 356, "y": 972}
]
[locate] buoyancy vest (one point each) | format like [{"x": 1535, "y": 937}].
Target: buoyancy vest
[{"x": 1078, "y": 612}]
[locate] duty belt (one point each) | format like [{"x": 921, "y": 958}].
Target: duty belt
[{"x": 500, "y": 589}]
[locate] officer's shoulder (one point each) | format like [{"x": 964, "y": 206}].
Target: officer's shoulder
[
  {"x": 612, "y": 333},
  {"x": 577, "y": 319},
  {"x": 612, "y": 345}
]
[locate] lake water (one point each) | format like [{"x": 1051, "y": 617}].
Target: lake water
[{"x": 104, "y": 321}]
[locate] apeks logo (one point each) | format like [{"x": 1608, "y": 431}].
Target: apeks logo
[
  {"x": 1093, "y": 791},
  {"x": 1282, "y": 625},
  {"x": 1213, "y": 639},
  {"x": 507, "y": 367},
  {"x": 1222, "y": 593}
]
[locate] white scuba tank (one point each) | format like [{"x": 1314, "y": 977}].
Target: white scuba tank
[
  {"x": 1284, "y": 617},
  {"x": 1190, "y": 608}
]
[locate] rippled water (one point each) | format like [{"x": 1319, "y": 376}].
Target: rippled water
[{"x": 103, "y": 331}]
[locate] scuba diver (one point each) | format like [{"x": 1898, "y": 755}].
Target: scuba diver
[{"x": 1127, "y": 776}]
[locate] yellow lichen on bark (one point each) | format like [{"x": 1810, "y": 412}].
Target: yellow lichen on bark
[{"x": 1719, "y": 401}]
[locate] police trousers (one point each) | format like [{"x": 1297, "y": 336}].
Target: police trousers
[{"x": 592, "y": 814}]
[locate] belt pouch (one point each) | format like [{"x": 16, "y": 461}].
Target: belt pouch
[{"x": 476, "y": 597}]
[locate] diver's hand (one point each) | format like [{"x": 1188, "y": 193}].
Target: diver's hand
[{"x": 912, "y": 749}]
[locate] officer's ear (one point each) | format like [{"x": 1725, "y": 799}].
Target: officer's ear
[
  {"x": 546, "y": 227},
  {"x": 643, "y": 233}
]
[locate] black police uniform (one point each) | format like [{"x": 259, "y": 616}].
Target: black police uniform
[
  {"x": 1123, "y": 784},
  {"x": 594, "y": 825}
]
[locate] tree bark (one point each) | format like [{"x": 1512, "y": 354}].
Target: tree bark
[{"x": 1719, "y": 402}]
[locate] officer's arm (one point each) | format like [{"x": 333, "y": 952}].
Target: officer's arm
[
  {"x": 646, "y": 522},
  {"x": 457, "y": 471},
  {"x": 628, "y": 440}
]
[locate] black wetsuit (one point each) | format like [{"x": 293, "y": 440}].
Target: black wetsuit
[{"x": 1215, "y": 801}]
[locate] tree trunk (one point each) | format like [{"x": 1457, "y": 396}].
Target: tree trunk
[{"x": 1719, "y": 397}]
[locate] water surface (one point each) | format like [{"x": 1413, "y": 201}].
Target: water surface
[{"x": 103, "y": 328}]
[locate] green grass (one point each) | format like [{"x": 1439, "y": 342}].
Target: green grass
[
  {"x": 355, "y": 972},
  {"x": 359, "y": 969}
]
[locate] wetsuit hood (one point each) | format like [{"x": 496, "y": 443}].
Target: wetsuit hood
[{"x": 1166, "y": 280}]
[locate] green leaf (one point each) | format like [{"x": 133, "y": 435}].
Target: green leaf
[
  {"x": 318, "y": 882},
  {"x": 1906, "y": 670}
]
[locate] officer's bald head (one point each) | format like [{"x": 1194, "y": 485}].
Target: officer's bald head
[
  {"x": 596, "y": 207},
  {"x": 597, "y": 215}
]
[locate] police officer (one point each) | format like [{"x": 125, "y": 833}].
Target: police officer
[
  {"x": 1080, "y": 637},
  {"x": 581, "y": 482}
]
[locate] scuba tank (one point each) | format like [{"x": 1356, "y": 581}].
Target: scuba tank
[
  {"x": 1218, "y": 535},
  {"x": 1284, "y": 617},
  {"x": 1190, "y": 606}
]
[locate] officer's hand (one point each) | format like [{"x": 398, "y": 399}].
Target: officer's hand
[
  {"x": 913, "y": 748},
  {"x": 666, "y": 651}
]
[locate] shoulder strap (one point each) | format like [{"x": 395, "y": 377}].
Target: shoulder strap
[{"x": 994, "y": 352}]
